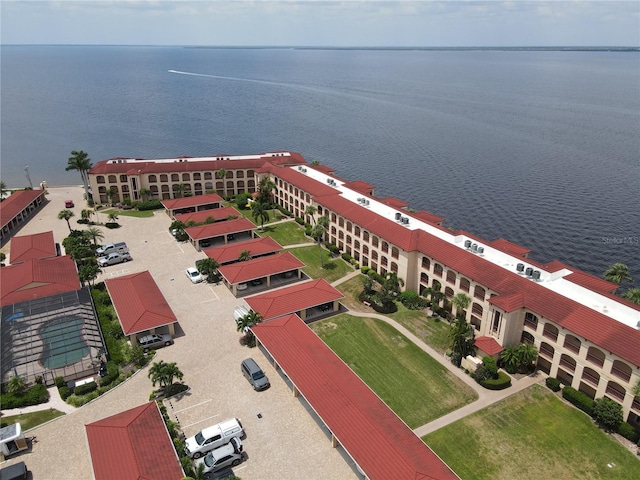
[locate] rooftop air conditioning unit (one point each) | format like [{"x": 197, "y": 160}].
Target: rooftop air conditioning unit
[
  {"x": 299, "y": 168},
  {"x": 405, "y": 220},
  {"x": 467, "y": 243},
  {"x": 480, "y": 250},
  {"x": 366, "y": 202},
  {"x": 529, "y": 271},
  {"x": 536, "y": 275},
  {"x": 398, "y": 216},
  {"x": 329, "y": 181},
  {"x": 474, "y": 247},
  {"x": 520, "y": 267}
]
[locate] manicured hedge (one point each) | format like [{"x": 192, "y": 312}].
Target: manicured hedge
[
  {"x": 503, "y": 381},
  {"x": 150, "y": 205},
  {"x": 65, "y": 392},
  {"x": 60, "y": 382},
  {"x": 579, "y": 399},
  {"x": 36, "y": 395},
  {"x": 553, "y": 384},
  {"x": 86, "y": 388},
  {"x": 628, "y": 432}
]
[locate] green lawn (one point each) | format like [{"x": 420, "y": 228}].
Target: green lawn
[
  {"x": 274, "y": 214},
  {"x": 414, "y": 385},
  {"x": 433, "y": 333},
  {"x": 334, "y": 268},
  {"x": 531, "y": 435},
  {"x": 104, "y": 214},
  {"x": 30, "y": 420},
  {"x": 287, "y": 233}
]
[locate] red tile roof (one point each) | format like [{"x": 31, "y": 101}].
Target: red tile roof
[
  {"x": 581, "y": 278},
  {"x": 327, "y": 170},
  {"x": 385, "y": 228},
  {"x": 591, "y": 325},
  {"x": 229, "y": 253},
  {"x": 488, "y": 345},
  {"x": 193, "y": 201},
  {"x": 425, "y": 216},
  {"x": 139, "y": 303},
  {"x": 133, "y": 445},
  {"x": 393, "y": 202},
  {"x": 220, "y": 228},
  {"x": 260, "y": 267},
  {"x": 141, "y": 167},
  {"x": 300, "y": 180},
  {"x": 38, "y": 245},
  {"x": 510, "y": 248},
  {"x": 16, "y": 202},
  {"x": 360, "y": 187},
  {"x": 382, "y": 445},
  {"x": 38, "y": 278},
  {"x": 217, "y": 214},
  {"x": 293, "y": 299}
]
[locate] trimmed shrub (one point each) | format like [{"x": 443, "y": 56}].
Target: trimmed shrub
[
  {"x": 456, "y": 358},
  {"x": 86, "y": 388},
  {"x": 503, "y": 381},
  {"x": 346, "y": 257},
  {"x": 112, "y": 374},
  {"x": 412, "y": 300},
  {"x": 553, "y": 384},
  {"x": 607, "y": 413},
  {"x": 628, "y": 432},
  {"x": 364, "y": 269},
  {"x": 150, "y": 205},
  {"x": 307, "y": 231},
  {"x": 579, "y": 399},
  {"x": 65, "y": 392},
  {"x": 35, "y": 395},
  {"x": 284, "y": 211},
  {"x": 60, "y": 382},
  {"x": 299, "y": 220}
]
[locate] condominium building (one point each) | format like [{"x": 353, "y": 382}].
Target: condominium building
[{"x": 586, "y": 336}]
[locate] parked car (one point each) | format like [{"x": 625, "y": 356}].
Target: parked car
[
  {"x": 231, "y": 236},
  {"x": 228, "y": 455},
  {"x": 254, "y": 374},
  {"x": 325, "y": 307},
  {"x": 17, "y": 471},
  {"x": 68, "y": 204},
  {"x": 256, "y": 281},
  {"x": 111, "y": 248},
  {"x": 214, "y": 437},
  {"x": 155, "y": 340},
  {"x": 205, "y": 243},
  {"x": 114, "y": 259},
  {"x": 194, "y": 275},
  {"x": 241, "y": 286}
]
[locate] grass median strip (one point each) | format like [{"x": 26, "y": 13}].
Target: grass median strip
[
  {"x": 414, "y": 385},
  {"x": 531, "y": 435}
]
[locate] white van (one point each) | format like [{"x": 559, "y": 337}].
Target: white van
[
  {"x": 238, "y": 313},
  {"x": 213, "y": 437}
]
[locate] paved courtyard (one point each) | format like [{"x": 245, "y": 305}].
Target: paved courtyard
[{"x": 284, "y": 440}]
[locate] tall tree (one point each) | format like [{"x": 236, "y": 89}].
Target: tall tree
[
  {"x": 81, "y": 162},
  {"x": 318, "y": 232},
  {"x": 145, "y": 193},
  {"x": 265, "y": 187},
  {"x": 164, "y": 373},
  {"x": 244, "y": 256},
  {"x": 311, "y": 211},
  {"x": 260, "y": 213},
  {"x": 66, "y": 215},
  {"x": 88, "y": 273},
  {"x": 112, "y": 193},
  {"x": 249, "y": 320},
  {"x": 618, "y": 273},
  {"x": 209, "y": 267},
  {"x": 178, "y": 190},
  {"x": 222, "y": 174},
  {"x": 461, "y": 301},
  {"x": 95, "y": 234},
  {"x": 633, "y": 295},
  {"x": 462, "y": 337},
  {"x": 3, "y": 190}
]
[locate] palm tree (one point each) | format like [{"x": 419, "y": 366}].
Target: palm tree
[
  {"x": 633, "y": 295},
  {"x": 112, "y": 193},
  {"x": 249, "y": 320},
  {"x": 164, "y": 373},
  {"x": 145, "y": 193},
  {"x": 265, "y": 187},
  {"x": 81, "y": 162},
  {"x": 311, "y": 211},
  {"x": 618, "y": 273},
  {"x": 318, "y": 232},
  {"x": 3, "y": 190},
  {"x": 244, "y": 256},
  {"x": 260, "y": 213},
  {"x": 113, "y": 217},
  {"x": 85, "y": 214},
  {"x": 178, "y": 190},
  {"x": 88, "y": 273},
  {"x": 17, "y": 385},
  {"x": 66, "y": 215},
  {"x": 511, "y": 358},
  {"x": 527, "y": 354},
  {"x": 95, "y": 234},
  {"x": 461, "y": 301},
  {"x": 462, "y": 336},
  {"x": 208, "y": 267},
  {"x": 222, "y": 174}
]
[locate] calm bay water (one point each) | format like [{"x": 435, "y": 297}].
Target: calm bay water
[{"x": 541, "y": 148}]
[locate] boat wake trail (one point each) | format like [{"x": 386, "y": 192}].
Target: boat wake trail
[{"x": 221, "y": 77}]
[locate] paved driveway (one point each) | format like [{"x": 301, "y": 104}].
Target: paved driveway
[{"x": 284, "y": 441}]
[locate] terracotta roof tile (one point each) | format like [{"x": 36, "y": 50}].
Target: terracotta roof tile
[
  {"x": 260, "y": 267},
  {"x": 488, "y": 345},
  {"x": 38, "y": 245},
  {"x": 16, "y": 202},
  {"x": 229, "y": 253},
  {"x": 133, "y": 445},
  {"x": 38, "y": 278},
  {"x": 139, "y": 303},
  {"x": 217, "y": 214},
  {"x": 381, "y": 444},
  {"x": 220, "y": 228},
  {"x": 293, "y": 299},
  {"x": 193, "y": 201}
]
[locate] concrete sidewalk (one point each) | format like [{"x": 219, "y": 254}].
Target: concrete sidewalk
[{"x": 54, "y": 402}]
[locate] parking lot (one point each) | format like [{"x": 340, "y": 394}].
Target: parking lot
[{"x": 283, "y": 440}]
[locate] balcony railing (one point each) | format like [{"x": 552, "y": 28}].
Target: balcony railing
[
  {"x": 550, "y": 334},
  {"x": 636, "y": 404},
  {"x": 572, "y": 347},
  {"x": 533, "y": 325},
  {"x": 566, "y": 363},
  {"x": 615, "y": 393},
  {"x": 621, "y": 374},
  {"x": 589, "y": 378},
  {"x": 546, "y": 352},
  {"x": 595, "y": 359}
]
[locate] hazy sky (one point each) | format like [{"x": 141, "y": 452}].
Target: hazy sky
[{"x": 322, "y": 23}]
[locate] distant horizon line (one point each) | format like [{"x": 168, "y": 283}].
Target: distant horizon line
[{"x": 328, "y": 47}]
